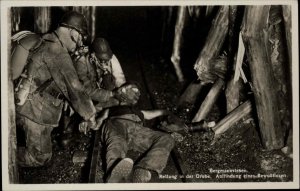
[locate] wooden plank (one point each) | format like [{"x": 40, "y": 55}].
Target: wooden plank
[
  {"x": 209, "y": 101},
  {"x": 254, "y": 34},
  {"x": 232, "y": 118},
  {"x": 190, "y": 94}
]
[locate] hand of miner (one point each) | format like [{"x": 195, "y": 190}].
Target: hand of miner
[
  {"x": 127, "y": 94},
  {"x": 85, "y": 126}
]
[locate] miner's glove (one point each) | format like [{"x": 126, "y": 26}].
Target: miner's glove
[{"x": 127, "y": 94}]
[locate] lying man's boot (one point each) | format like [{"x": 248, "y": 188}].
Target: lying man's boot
[
  {"x": 121, "y": 171},
  {"x": 67, "y": 136},
  {"x": 141, "y": 175}
]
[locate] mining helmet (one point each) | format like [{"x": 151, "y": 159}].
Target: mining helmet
[
  {"x": 102, "y": 49},
  {"x": 75, "y": 20}
]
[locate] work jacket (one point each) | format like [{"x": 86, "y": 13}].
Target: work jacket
[
  {"x": 97, "y": 84},
  {"x": 52, "y": 69}
]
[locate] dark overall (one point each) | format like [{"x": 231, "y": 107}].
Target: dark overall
[{"x": 52, "y": 65}]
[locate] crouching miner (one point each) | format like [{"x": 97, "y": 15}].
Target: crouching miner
[
  {"x": 124, "y": 130},
  {"x": 101, "y": 75},
  {"x": 53, "y": 79}
]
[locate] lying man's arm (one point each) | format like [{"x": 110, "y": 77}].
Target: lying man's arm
[{"x": 151, "y": 114}]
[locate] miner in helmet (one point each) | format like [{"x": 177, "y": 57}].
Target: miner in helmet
[
  {"x": 53, "y": 80},
  {"x": 103, "y": 79},
  {"x": 122, "y": 128},
  {"x": 100, "y": 72}
]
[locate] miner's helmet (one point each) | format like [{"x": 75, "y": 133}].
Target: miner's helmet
[
  {"x": 102, "y": 49},
  {"x": 75, "y": 20}
]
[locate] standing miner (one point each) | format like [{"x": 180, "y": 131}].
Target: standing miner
[{"x": 52, "y": 79}]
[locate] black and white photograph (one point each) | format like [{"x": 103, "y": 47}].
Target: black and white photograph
[{"x": 127, "y": 95}]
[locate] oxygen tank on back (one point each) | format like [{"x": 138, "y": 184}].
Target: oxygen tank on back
[
  {"x": 23, "y": 42},
  {"x": 22, "y": 89}
]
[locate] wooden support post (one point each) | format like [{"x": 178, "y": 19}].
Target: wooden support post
[
  {"x": 42, "y": 19},
  {"x": 277, "y": 50},
  {"x": 287, "y": 17},
  {"x": 15, "y": 19},
  {"x": 232, "y": 92},
  {"x": 232, "y": 33},
  {"x": 167, "y": 33},
  {"x": 209, "y": 101},
  {"x": 232, "y": 118},
  {"x": 178, "y": 41},
  {"x": 213, "y": 45},
  {"x": 288, "y": 149},
  {"x": 233, "y": 88},
  {"x": 194, "y": 12},
  {"x": 93, "y": 22},
  {"x": 90, "y": 14},
  {"x": 209, "y": 10},
  {"x": 189, "y": 96},
  {"x": 12, "y": 139},
  {"x": 254, "y": 35}
]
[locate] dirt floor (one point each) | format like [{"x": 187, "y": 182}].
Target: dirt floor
[{"x": 237, "y": 154}]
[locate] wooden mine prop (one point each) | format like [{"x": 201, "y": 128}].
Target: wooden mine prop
[{"x": 260, "y": 39}]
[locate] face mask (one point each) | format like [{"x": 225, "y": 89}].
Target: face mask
[
  {"x": 77, "y": 40},
  {"x": 102, "y": 64},
  {"x": 79, "y": 52}
]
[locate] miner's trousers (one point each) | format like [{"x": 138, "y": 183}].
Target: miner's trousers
[
  {"x": 120, "y": 134},
  {"x": 38, "y": 150}
]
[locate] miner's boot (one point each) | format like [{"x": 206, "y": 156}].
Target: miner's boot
[
  {"x": 141, "y": 175},
  {"x": 68, "y": 132},
  {"x": 121, "y": 171}
]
